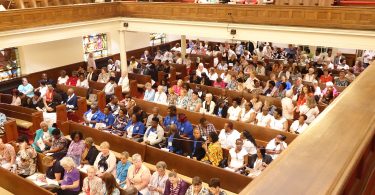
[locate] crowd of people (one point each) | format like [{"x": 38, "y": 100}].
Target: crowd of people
[
  {"x": 295, "y": 76},
  {"x": 65, "y": 158}
]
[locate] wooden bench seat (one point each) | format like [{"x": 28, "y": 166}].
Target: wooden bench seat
[
  {"x": 23, "y": 114},
  {"x": 260, "y": 133},
  {"x": 23, "y": 124},
  {"x": 10, "y": 131},
  {"x": 152, "y": 155}
]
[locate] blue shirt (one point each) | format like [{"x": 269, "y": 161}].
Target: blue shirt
[
  {"x": 149, "y": 95},
  {"x": 97, "y": 116},
  {"x": 170, "y": 141},
  {"x": 122, "y": 171},
  {"x": 138, "y": 129},
  {"x": 28, "y": 88},
  {"x": 109, "y": 119},
  {"x": 168, "y": 120},
  {"x": 185, "y": 128}
]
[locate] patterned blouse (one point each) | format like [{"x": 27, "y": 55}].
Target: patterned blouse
[
  {"x": 93, "y": 186},
  {"x": 203, "y": 191},
  {"x": 75, "y": 151},
  {"x": 26, "y": 161},
  {"x": 214, "y": 154},
  {"x": 119, "y": 124},
  {"x": 172, "y": 99},
  {"x": 232, "y": 85},
  {"x": 192, "y": 104},
  {"x": 182, "y": 102}
]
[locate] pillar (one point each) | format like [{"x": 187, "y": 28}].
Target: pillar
[
  {"x": 123, "y": 59},
  {"x": 183, "y": 46}
]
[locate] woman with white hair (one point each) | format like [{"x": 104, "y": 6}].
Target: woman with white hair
[
  {"x": 114, "y": 67},
  {"x": 138, "y": 175},
  {"x": 208, "y": 105},
  {"x": 201, "y": 69},
  {"x": 70, "y": 182},
  {"x": 92, "y": 184},
  {"x": 106, "y": 160}
]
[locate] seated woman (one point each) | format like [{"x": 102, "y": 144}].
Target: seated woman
[
  {"x": 138, "y": 175},
  {"x": 63, "y": 78},
  {"x": 149, "y": 93},
  {"x": 214, "y": 152},
  {"x": 103, "y": 76},
  {"x": 195, "y": 103},
  {"x": 299, "y": 126},
  {"x": 26, "y": 88},
  {"x": 93, "y": 116},
  {"x": 25, "y": 158},
  {"x": 175, "y": 185},
  {"x": 43, "y": 137},
  {"x": 197, "y": 187},
  {"x": 278, "y": 122},
  {"x": 197, "y": 151},
  {"x": 109, "y": 88},
  {"x": 134, "y": 129},
  {"x": 171, "y": 97},
  {"x": 260, "y": 164},
  {"x": 128, "y": 102},
  {"x": 72, "y": 81},
  {"x": 16, "y": 98},
  {"x": 158, "y": 179},
  {"x": 214, "y": 187},
  {"x": 249, "y": 143},
  {"x": 173, "y": 141},
  {"x": 208, "y": 105},
  {"x": 54, "y": 170},
  {"x": 70, "y": 182},
  {"x": 237, "y": 158},
  {"x": 82, "y": 82},
  {"x": 122, "y": 169},
  {"x": 59, "y": 145},
  {"x": 276, "y": 146},
  {"x": 51, "y": 99},
  {"x": 120, "y": 122},
  {"x": 310, "y": 109},
  {"x": 35, "y": 102},
  {"x": 154, "y": 134},
  {"x": 110, "y": 186},
  {"x": 183, "y": 99},
  {"x": 105, "y": 161},
  {"x": 77, "y": 147},
  {"x": 108, "y": 118},
  {"x": 114, "y": 105},
  {"x": 90, "y": 153},
  {"x": 124, "y": 82},
  {"x": 92, "y": 184}
]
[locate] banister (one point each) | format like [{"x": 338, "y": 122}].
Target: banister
[
  {"x": 358, "y": 18},
  {"x": 322, "y": 159}
]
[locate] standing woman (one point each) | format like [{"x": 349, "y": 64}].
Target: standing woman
[
  {"x": 175, "y": 185},
  {"x": 91, "y": 62},
  {"x": 76, "y": 147},
  {"x": 70, "y": 182}
]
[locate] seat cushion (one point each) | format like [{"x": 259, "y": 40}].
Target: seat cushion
[{"x": 24, "y": 124}]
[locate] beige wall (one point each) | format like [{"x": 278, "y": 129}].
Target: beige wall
[
  {"x": 43, "y": 56},
  {"x": 136, "y": 40}
]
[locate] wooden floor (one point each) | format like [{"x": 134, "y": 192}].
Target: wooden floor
[{"x": 4, "y": 191}]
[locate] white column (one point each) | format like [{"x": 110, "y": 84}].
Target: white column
[
  {"x": 124, "y": 63},
  {"x": 183, "y": 46}
]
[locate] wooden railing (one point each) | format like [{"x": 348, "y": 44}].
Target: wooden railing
[
  {"x": 359, "y": 18},
  {"x": 336, "y": 153}
]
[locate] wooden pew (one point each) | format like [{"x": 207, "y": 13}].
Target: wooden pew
[
  {"x": 229, "y": 180},
  {"x": 152, "y": 155},
  {"x": 141, "y": 79},
  {"x": 82, "y": 93},
  {"x": 259, "y": 133},
  {"x": 61, "y": 115},
  {"x": 181, "y": 70},
  {"x": 26, "y": 118},
  {"x": 6, "y": 98},
  {"x": 118, "y": 143},
  {"x": 10, "y": 131},
  {"x": 18, "y": 185}
]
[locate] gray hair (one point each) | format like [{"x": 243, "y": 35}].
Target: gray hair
[
  {"x": 136, "y": 158},
  {"x": 67, "y": 162},
  {"x": 161, "y": 164}
]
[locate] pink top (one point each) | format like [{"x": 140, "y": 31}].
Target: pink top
[
  {"x": 177, "y": 89},
  {"x": 221, "y": 84}
]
